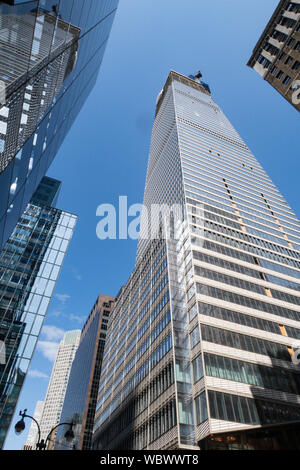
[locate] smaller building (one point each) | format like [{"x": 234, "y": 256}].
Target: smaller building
[
  {"x": 81, "y": 396},
  {"x": 58, "y": 384},
  {"x": 276, "y": 56},
  {"x": 32, "y": 437},
  {"x": 27, "y": 447}
]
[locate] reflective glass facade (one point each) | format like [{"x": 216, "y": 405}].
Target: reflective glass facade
[
  {"x": 50, "y": 54},
  {"x": 29, "y": 267},
  {"x": 223, "y": 343},
  {"x": 81, "y": 395}
]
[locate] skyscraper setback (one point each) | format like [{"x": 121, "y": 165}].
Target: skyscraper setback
[
  {"x": 50, "y": 55},
  {"x": 200, "y": 344}
]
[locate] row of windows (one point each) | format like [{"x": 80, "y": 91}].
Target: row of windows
[
  {"x": 273, "y": 193},
  {"x": 244, "y": 342},
  {"x": 218, "y": 237},
  {"x": 277, "y": 237},
  {"x": 160, "y": 423},
  {"x": 139, "y": 354},
  {"x": 204, "y": 199},
  {"x": 248, "y": 238},
  {"x": 285, "y": 297},
  {"x": 157, "y": 386},
  {"x": 155, "y": 333},
  {"x": 153, "y": 281},
  {"x": 160, "y": 352},
  {"x": 208, "y": 245},
  {"x": 112, "y": 339},
  {"x": 232, "y": 281},
  {"x": 227, "y": 407},
  {"x": 240, "y": 318},
  {"x": 209, "y": 208},
  {"x": 226, "y": 264},
  {"x": 242, "y": 269},
  {"x": 242, "y": 284},
  {"x": 197, "y": 368},
  {"x": 252, "y": 374},
  {"x": 143, "y": 312},
  {"x": 242, "y": 196},
  {"x": 193, "y": 161},
  {"x": 214, "y": 198},
  {"x": 201, "y": 408},
  {"x": 247, "y": 302},
  {"x": 156, "y": 311},
  {"x": 157, "y": 425},
  {"x": 215, "y": 218},
  {"x": 247, "y": 320}
]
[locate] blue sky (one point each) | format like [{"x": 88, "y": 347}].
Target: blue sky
[{"x": 105, "y": 154}]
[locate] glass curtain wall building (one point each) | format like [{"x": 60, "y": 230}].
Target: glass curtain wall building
[
  {"x": 82, "y": 391},
  {"x": 200, "y": 345},
  {"x": 50, "y": 55},
  {"x": 30, "y": 263}
]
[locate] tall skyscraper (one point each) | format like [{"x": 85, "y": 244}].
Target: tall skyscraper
[
  {"x": 82, "y": 391},
  {"x": 32, "y": 437},
  {"x": 57, "y": 386},
  {"x": 276, "y": 56},
  {"x": 50, "y": 55},
  {"x": 30, "y": 263},
  {"x": 200, "y": 343}
]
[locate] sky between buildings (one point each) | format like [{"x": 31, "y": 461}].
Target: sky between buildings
[{"x": 105, "y": 154}]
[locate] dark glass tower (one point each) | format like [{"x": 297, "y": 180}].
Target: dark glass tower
[
  {"x": 81, "y": 395},
  {"x": 50, "y": 54},
  {"x": 30, "y": 262}
]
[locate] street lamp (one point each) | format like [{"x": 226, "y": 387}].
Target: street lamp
[
  {"x": 20, "y": 426},
  {"x": 42, "y": 444}
]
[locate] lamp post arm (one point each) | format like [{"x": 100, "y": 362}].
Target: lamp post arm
[
  {"x": 39, "y": 429},
  {"x": 55, "y": 427}
]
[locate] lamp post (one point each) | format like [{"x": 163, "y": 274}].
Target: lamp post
[{"x": 42, "y": 444}]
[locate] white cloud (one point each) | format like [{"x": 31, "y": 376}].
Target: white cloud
[
  {"x": 48, "y": 349},
  {"x": 76, "y": 318},
  {"x": 52, "y": 333},
  {"x": 62, "y": 297},
  {"x": 56, "y": 313},
  {"x": 37, "y": 374}
]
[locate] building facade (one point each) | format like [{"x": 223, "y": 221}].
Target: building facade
[
  {"x": 30, "y": 263},
  {"x": 57, "y": 386},
  {"x": 276, "y": 56},
  {"x": 82, "y": 391},
  {"x": 200, "y": 349},
  {"x": 50, "y": 55},
  {"x": 32, "y": 437}
]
